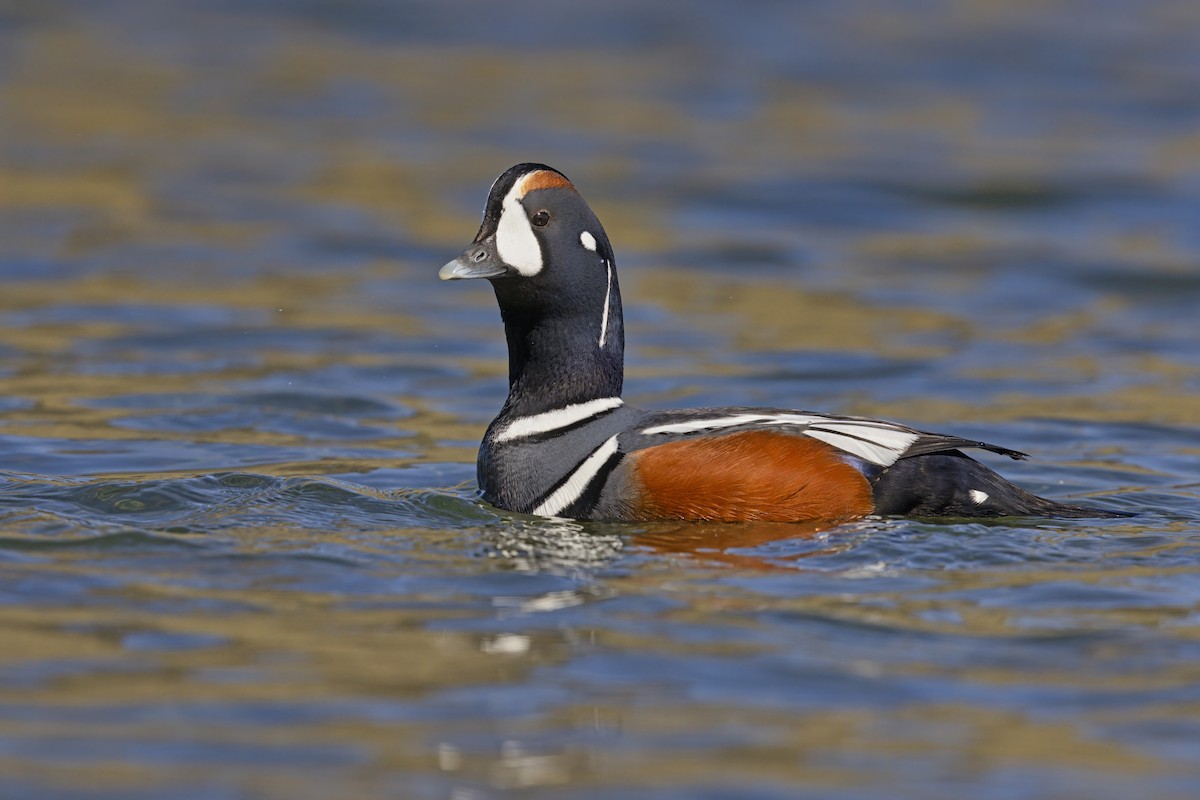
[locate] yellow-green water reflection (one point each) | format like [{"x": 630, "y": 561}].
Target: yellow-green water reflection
[{"x": 240, "y": 553}]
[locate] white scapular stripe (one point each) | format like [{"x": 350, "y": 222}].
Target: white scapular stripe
[
  {"x": 607, "y": 303},
  {"x": 553, "y": 420},
  {"x": 578, "y": 482},
  {"x": 978, "y": 496},
  {"x": 707, "y": 424},
  {"x": 877, "y": 442},
  {"x": 515, "y": 242}
]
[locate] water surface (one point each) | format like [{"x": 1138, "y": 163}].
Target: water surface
[{"x": 240, "y": 549}]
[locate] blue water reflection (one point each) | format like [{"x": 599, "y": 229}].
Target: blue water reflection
[{"x": 241, "y": 553}]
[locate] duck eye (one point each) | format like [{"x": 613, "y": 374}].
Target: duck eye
[{"x": 540, "y": 218}]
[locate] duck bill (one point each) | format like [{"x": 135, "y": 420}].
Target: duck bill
[{"x": 480, "y": 260}]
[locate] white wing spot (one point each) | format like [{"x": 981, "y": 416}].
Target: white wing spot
[
  {"x": 588, "y": 241},
  {"x": 978, "y": 496}
]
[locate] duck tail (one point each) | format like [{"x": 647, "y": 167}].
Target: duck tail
[{"x": 951, "y": 484}]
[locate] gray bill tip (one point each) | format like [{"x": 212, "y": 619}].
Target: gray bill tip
[
  {"x": 477, "y": 262},
  {"x": 452, "y": 270}
]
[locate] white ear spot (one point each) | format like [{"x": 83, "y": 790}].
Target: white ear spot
[
  {"x": 588, "y": 241},
  {"x": 515, "y": 241},
  {"x": 978, "y": 496}
]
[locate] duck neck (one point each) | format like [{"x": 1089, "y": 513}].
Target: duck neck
[{"x": 561, "y": 356}]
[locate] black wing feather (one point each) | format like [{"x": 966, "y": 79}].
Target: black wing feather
[{"x": 941, "y": 443}]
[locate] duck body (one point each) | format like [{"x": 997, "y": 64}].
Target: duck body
[{"x": 566, "y": 445}]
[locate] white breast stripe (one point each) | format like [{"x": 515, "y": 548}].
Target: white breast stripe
[
  {"x": 553, "y": 420},
  {"x": 575, "y": 486},
  {"x": 877, "y": 442},
  {"x": 607, "y": 303}
]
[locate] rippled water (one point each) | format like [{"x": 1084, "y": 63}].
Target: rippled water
[{"x": 240, "y": 552}]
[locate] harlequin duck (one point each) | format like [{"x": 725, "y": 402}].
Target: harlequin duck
[{"x": 566, "y": 445}]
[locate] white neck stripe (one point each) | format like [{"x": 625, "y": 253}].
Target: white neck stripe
[
  {"x": 578, "y": 482},
  {"x": 607, "y": 303},
  {"x": 553, "y": 420}
]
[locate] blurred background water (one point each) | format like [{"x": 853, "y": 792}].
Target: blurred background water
[{"x": 241, "y": 554}]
